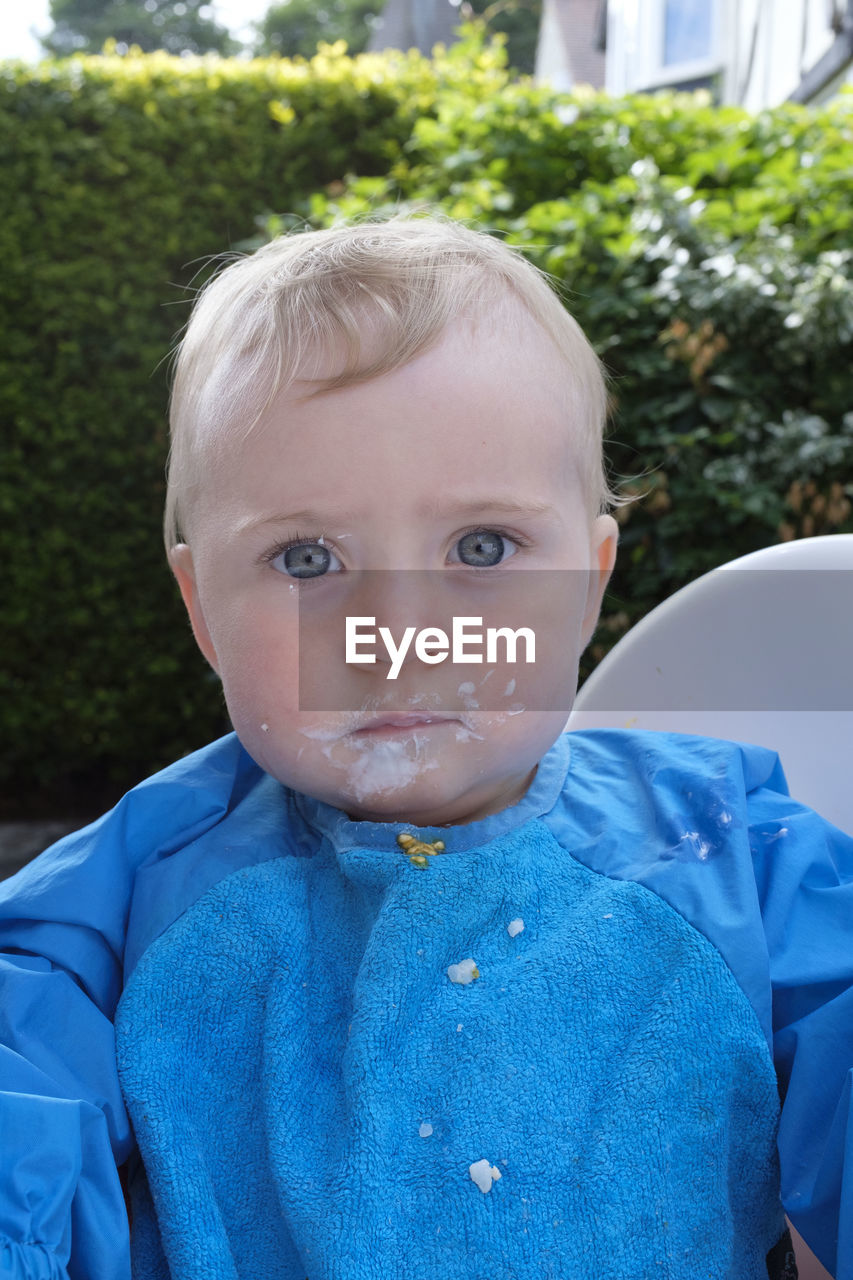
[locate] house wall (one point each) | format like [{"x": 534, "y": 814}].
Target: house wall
[
  {"x": 415, "y": 24},
  {"x": 770, "y": 48},
  {"x": 760, "y": 48},
  {"x": 552, "y": 57},
  {"x": 568, "y": 50}
]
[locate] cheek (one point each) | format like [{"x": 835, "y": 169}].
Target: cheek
[
  {"x": 258, "y": 663},
  {"x": 525, "y": 733},
  {"x": 262, "y": 698}
]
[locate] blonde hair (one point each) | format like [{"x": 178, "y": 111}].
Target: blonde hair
[{"x": 378, "y": 292}]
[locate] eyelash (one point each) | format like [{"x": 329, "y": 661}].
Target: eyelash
[{"x": 297, "y": 539}]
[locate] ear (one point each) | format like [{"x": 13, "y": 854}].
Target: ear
[
  {"x": 181, "y": 564},
  {"x": 603, "y": 540}
]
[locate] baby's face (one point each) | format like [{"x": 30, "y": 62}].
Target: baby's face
[{"x": 462, "y": 462}]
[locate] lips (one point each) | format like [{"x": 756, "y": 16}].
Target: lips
[{"x": 409, "y": 721}]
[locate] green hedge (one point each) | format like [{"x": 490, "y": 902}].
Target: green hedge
[
  {"x": 121, "y": 176},
  {"x": 706, "y": 252}
]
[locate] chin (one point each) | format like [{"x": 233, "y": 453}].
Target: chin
[{"x": 410, "y": 807}]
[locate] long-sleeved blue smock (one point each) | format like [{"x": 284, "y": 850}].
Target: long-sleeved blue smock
[{"x": 552, "y": 1050}]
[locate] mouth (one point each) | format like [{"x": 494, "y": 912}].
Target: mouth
[{"x": 387, "y": 726}]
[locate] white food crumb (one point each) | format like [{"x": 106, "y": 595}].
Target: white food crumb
[
  {"x": 609, "y": 916},
  {"x": 425, "y": 1130},
  {"x": 515, "y": 927},
  {"x": 265, "y": 728},
  {"x": 701, "y": 848},
  {"x": 459, "y": 1026},
  {"x": 463, "y": 972},
  {"x": 484, "y": 1174}
]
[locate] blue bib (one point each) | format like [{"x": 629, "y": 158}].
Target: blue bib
[{"x": 314, "y": 1095}]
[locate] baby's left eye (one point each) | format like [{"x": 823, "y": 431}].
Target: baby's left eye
[{"x": 482, "y": 548}]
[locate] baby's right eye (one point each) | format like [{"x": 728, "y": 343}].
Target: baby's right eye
[{"x": 305, "y": 560}]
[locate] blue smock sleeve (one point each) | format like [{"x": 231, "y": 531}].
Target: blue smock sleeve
[
  {"x": 804, "y": 872},
  {"x": 63, "y": 928}
]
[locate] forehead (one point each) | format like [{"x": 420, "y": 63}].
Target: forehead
[
  {"x": 490, "y": 408},
  {"x": 498, "y": 374}
]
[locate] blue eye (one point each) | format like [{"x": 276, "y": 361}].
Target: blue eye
[
  {"x": 304, "y": 560},
  {"x": 482, "y": 548}
]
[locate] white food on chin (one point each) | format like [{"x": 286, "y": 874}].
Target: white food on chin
[{"x": 386, "y": 764}]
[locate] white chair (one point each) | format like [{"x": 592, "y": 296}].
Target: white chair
[{"x": 760, "y": 650}]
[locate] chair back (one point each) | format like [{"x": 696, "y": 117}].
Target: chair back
[{"x": 759, "y": 650}]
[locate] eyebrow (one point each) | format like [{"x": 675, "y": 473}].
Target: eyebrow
[
  {"x": 292, "y": 517},
  {"x": 444, "y": 508},
  {"x": 509, "y": 507}
]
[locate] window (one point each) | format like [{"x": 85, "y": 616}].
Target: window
[
  {"x": 687, "y": 35},
  {"x": 654, "y": 44}
]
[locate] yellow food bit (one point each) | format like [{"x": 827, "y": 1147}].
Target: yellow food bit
[{"x": 418, "y": 850}]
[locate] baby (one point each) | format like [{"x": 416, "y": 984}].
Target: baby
[{"x": 400, "y": 979}]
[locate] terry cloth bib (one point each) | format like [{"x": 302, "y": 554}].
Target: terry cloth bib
[{"x": 314, "y": 1095}]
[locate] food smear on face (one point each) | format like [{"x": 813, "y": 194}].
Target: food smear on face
[
  {"x": 463, "y": 972},
  {"x": 387, "y": 765},
  {"x": 464, "y": 734},
  {"x": 384, "y": 764},
  {"x": 484, "y": 1174}
]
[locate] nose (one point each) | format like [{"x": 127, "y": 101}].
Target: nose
[{"x": 401, "y": 603}]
